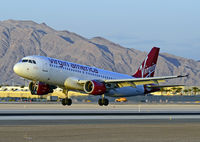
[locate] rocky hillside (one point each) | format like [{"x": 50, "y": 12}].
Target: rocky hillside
[{"x": 22, "y": 38}]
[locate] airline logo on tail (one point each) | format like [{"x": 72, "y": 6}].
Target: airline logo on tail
[{"x": 147, "y": 69}]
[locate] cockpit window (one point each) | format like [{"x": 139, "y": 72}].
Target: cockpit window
[
  {"x": 24, "y": 60},
  {"x": 29, "y": 61}
]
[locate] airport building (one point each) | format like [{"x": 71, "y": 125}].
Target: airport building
[{"x": 24, "y": 93}]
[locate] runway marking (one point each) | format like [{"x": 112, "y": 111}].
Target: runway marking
[
  {"x": 155, "y": 117},
  {"x": 96, "y": 116},
  {"x": 110, "y": 113}
]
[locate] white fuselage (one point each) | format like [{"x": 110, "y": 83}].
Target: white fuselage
[{"x": 62, "y": 73}]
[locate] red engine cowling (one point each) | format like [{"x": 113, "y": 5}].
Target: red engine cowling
[
  {"x": 94, "y": 87},
  {"x": 40, "y": 88}
]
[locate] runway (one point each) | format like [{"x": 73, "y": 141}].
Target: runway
[
  {"x": 94, "y": 112},
  {"x": 89, "y": 122}
]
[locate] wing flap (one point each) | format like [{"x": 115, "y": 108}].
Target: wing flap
[
  {"x": 148, "y": 80},
  {"x": 137, "y": 81},
  {"x": 164, "y": 86}
]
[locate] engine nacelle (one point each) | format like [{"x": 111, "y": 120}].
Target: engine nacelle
[
  {"x": 150, "y": 89},
  {"x": 94, "y": 87},
  {"x": 71, "y": 83},
  {"x": 40, "y": 88}
]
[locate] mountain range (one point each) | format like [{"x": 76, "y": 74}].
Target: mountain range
[{"x": 23, "y": 38}]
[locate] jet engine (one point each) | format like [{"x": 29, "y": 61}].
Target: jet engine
[
  {"x": 40, "y": 88},
  {"x": 94, "y": 87}
]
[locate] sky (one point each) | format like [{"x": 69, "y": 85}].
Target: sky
[{"x": 172, "y": 25}]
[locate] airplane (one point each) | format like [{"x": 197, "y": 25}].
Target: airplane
[{"x": 48, "y": 73}]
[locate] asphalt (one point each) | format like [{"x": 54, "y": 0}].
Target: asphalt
[{"x": 102, "y": 130}]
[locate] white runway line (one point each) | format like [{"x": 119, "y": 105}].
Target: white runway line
[{"x": 146, "y": 117}]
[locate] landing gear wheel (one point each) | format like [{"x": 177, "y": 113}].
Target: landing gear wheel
[
  {"x": 69, "y": 102},
  {"x": 103, "y": 101},
  {"x": 66, "y": 101},
  {"x": 100, "y": 102},
  {"x": 106, "y": 102}
]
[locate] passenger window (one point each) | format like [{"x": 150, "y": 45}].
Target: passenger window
[
  {"x": 34, "y": 62},
  {"x": 29, "y": 61}
]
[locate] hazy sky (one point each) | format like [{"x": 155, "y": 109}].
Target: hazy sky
[{"x": 172, "y": 25}]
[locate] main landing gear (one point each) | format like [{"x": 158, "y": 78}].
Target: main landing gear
[
  {"x": 66, "y": 101},
  {"x": 103, "y": 101}
]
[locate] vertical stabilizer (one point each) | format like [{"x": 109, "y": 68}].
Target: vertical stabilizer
[{"x": 148, "y": 66}]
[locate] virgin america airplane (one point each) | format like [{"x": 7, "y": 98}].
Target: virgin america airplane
[{"x": 48, "y": 73}]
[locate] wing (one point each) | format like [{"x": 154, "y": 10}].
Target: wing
[
  {"x": 137, "y": 81},
  {"x": 163, "y": 86}
]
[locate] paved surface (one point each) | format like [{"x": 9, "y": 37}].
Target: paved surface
[
  {"x": 113, "y": 107},
  {"x": 151, "y": 131},
  {"x": 138, "y": 123}
]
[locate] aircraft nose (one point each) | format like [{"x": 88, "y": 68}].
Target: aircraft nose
[{"x": 16, "y": 68}]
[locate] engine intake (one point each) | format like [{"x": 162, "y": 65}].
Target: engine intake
[{"x": 94, "y": 87}]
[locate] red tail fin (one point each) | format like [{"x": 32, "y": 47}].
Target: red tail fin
[{"x": 148, "y": 66}]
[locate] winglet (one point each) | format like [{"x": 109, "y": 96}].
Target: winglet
[{"x": 187, "y": 75}]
